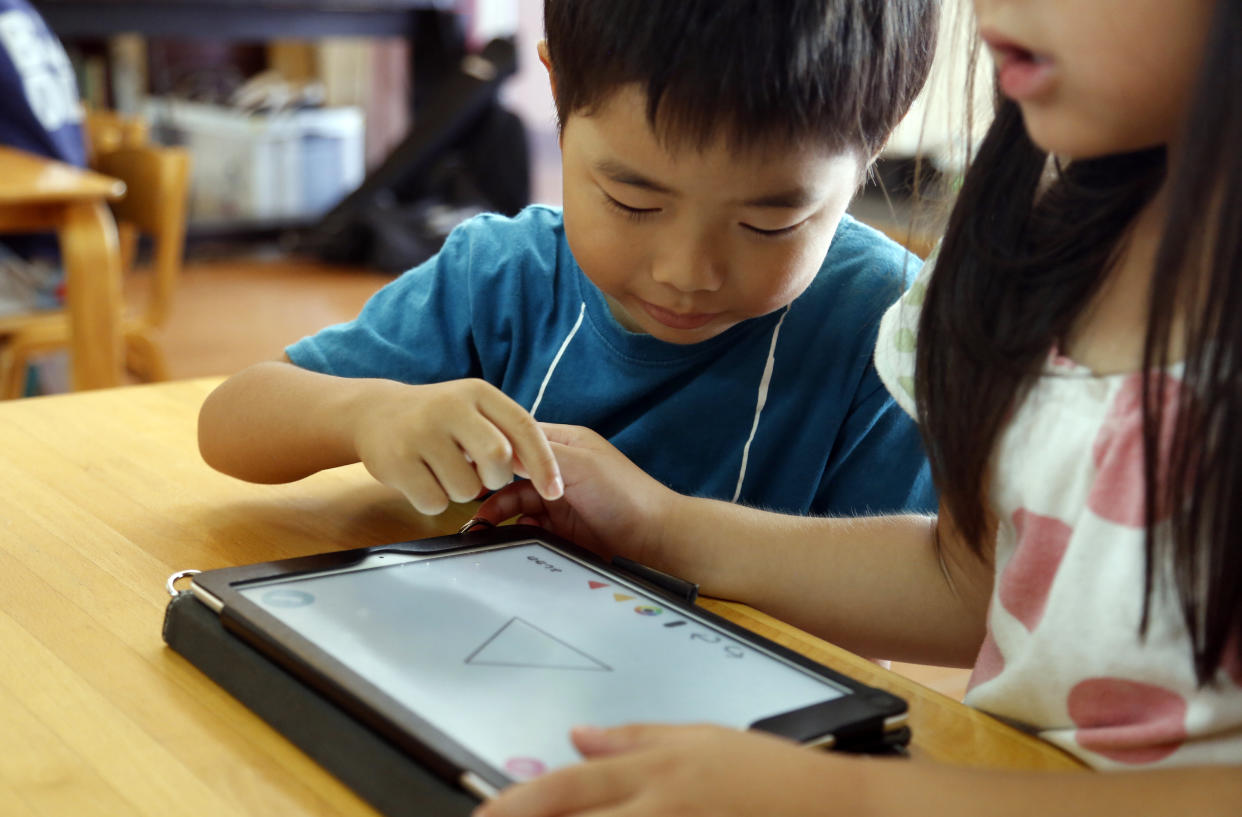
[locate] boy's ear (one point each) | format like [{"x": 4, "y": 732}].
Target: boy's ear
[{"x": 546, "y": 59}]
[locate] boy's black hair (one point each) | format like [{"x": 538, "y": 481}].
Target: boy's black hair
[{"x": 843, "y": 72}]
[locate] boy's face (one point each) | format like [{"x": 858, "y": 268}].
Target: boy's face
[{"x": 687, "y": 243}]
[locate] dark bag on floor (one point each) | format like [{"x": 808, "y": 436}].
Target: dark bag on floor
[{"x": 402, "y": 226}]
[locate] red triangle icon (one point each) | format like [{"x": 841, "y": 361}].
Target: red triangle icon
[{"x": 596, "y": 585}]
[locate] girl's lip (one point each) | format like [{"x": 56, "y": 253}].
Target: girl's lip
[
  {"x": 995, "y": 40},
  {"x": 1022, "y": 73},
  {"x": 678, "y": 320}
]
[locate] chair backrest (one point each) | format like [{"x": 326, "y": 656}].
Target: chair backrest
[
  {"x": 106, "y": 131},
  {"x": 157, "y": 180}
]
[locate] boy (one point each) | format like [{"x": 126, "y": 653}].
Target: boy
[{"x": 701, "y": 294}]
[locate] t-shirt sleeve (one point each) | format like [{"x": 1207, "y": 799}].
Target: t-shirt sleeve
[
  {"x": 895, "y": 346},
  {"x": 878, "y": 465},
  {"x": 415, "y": 330},
  {"x": 431, "y": 324}
]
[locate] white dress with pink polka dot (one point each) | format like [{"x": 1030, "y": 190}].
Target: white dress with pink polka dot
[{"x": 1063, "y": 656}]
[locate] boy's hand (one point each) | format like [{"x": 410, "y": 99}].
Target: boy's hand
[
  {"x": 447, "y": 442},
  {"x": 685, "y": 771},
  {"x": 610, "y": 505}
]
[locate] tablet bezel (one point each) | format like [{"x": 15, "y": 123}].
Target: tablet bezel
[{"x": 863, "y": 716}]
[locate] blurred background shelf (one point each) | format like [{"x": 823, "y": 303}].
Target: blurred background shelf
[{"x": 420, "y": 73}]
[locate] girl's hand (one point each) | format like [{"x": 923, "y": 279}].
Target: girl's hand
[
  {"x": 449, "y": 441},
  {"x": 610, "y": 505},
  {"x": 685, "y": 771}
]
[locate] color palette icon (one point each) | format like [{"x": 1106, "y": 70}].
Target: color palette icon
[{"x": 648, "y": 610}]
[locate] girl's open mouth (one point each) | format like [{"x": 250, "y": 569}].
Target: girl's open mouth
[{"x": 1022, "y": 73}]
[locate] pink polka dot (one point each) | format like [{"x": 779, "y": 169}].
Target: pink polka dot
[
  {"x": 1118, "y": 493},
  {"x": 988, "y": 664},
  {"x": 1027, "y": 578},
  {"x": 1127, "y": 721}
]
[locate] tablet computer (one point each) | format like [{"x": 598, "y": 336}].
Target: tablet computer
[{"x": 476, "y": 653}]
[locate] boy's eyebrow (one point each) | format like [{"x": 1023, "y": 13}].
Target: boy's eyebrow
[
  {"x": 622, "y": 174},
  {"x": 791, "y": 199}
]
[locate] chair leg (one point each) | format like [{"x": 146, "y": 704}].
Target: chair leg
[
  {"x": 13, "y": 362},
  {"x": 144, "y": 358}
]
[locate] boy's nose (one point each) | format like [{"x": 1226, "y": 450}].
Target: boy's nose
[{"x": 696, "y": 270}]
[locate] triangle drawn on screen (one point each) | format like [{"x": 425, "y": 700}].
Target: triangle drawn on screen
[{"x": 521, "y": 644}]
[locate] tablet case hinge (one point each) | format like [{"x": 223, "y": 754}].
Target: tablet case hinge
[{"x": 679, "y": 589}]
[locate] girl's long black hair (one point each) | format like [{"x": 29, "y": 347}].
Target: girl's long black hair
[{"x": 1022, "y": 257}]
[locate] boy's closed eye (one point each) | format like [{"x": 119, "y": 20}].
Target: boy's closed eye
[
  {"x": 774, "y": 232},
  {"x": 638, "y": 213},
  {"x": 627, "y": 210}
]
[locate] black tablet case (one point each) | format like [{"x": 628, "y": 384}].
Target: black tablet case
[
  {"x": 383, "y": 775},
  {"x": 378, "y": 772}
]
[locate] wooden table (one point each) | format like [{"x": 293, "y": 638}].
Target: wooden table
[
  {"x": 40, "y": 195},
  {"x": 104, "y": 497}
]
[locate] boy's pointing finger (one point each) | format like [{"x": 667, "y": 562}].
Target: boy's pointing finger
[{"x": 533, "y": 451}]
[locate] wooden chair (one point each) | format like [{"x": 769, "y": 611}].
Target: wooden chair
[{"x": 157, "y": 182}]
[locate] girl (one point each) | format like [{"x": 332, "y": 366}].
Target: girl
[{"x": 1073, "y": 361}]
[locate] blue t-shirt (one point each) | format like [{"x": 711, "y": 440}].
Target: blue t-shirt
[
  {"x": 40, "y": 111},
  {"x": 505, "y": 301}
]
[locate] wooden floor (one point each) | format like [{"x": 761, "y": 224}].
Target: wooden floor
[
  {"x": 234, "y": 312},
  {"x": 230, "y": 313}
]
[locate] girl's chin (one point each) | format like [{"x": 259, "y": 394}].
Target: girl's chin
[{"x": 1072, "y": 140}]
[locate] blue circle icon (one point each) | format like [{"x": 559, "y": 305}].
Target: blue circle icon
[{"x": 284, "y": 597}]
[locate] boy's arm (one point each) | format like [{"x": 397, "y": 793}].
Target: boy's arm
[
  {"x": 275, "y": 422},
  {"x": 400, "y": 386}
]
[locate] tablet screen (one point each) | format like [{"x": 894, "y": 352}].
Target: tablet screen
[{"x": 506, "y": 649}]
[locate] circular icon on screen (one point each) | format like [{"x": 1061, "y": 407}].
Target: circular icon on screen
[
  {"x": 524, "y": 768},
  {"x": 648, "y": 610},
  {"x": 284, "y": 597}
]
